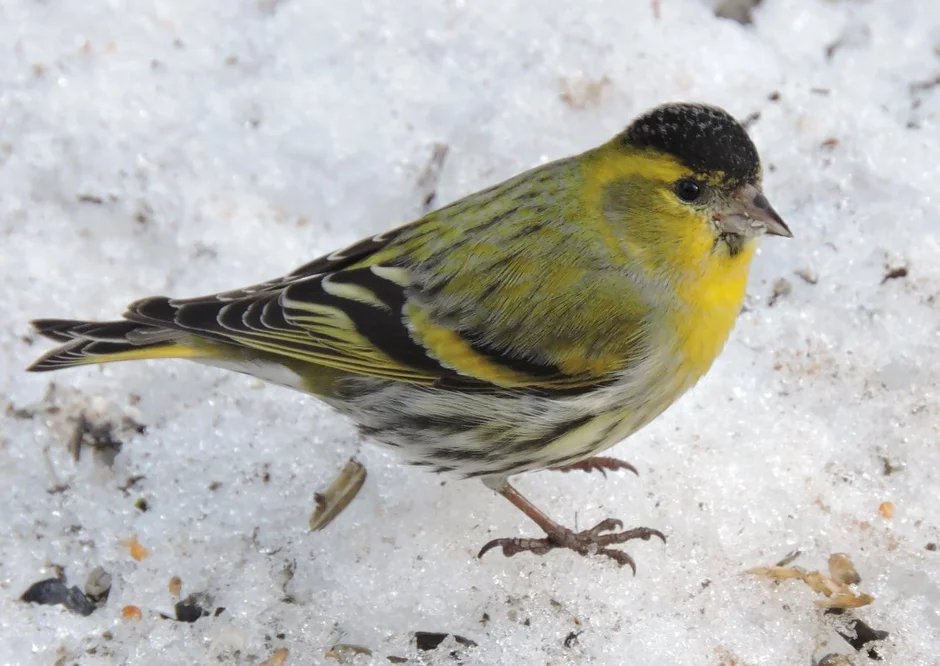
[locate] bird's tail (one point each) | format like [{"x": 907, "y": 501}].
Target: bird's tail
[{"x": 86, "y": 342}]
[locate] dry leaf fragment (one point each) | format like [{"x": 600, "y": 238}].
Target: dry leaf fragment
[
  {"x": 844, "y": 600},
  {"x": 340, "y": 493},
  {"x": 842, "y": 569},
  {"x": 835, "y": 587}
]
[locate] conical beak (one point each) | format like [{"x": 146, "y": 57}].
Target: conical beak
[{"x": 753, "y": 205}]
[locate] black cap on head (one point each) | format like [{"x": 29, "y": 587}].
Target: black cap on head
[{"x": 703, "y": 138}]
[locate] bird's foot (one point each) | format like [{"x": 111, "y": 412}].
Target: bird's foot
[
  {"x": 588, "y": 542},
  {"x": 601, "y": 464}
]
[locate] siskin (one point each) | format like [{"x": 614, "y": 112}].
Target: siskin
[{"x": 528, "y": 326}]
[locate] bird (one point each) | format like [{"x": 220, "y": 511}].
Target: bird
[{"x": 528, "y": 326}]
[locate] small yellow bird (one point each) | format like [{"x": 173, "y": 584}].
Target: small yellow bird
[{"x": 528, "y": 326}]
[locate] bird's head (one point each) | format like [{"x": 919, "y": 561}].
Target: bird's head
[{"x": 686, "y": 179}]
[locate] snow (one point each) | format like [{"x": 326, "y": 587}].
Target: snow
[{"x": 182, "y": 148}]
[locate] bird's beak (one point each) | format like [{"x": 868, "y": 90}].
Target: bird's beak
[{"x": 751, "y": 214}]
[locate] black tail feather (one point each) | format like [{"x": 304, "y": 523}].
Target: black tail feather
[{"x": 94, "y": 342}]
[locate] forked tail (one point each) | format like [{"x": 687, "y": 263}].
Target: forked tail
[{"x": 86, "y": 342}]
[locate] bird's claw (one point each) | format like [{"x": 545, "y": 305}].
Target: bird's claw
[
  {"x": 608, "y": 525},
  {"x": 588, "y": 542},
  {"x": 601, "y": 464}
]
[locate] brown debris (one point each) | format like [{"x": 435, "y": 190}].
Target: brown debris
[
  {"x": 279, "y": 658},
  {"x": 842, "y": 570},
  {"x": 838, "y": 593},
  {"x": 175, "y": 586},
  {"x": 338, "y": 496},
  {"x": 886, "y": 509},
  {"x": 840, "y": 598},
  {"x": 137, "y": 551},
  {"x": 894, "y": 273},
  {"x": 131, "y": 613}
]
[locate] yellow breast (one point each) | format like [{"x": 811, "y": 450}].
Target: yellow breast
[{"x": 709, "y": 305}]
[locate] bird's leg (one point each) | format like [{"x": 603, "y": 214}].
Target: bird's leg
[
  {"x": 601, "y": 464},
  {"x": 593, "y": 541}
]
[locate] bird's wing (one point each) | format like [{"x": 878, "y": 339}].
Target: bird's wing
[
  {"x": 461, "y": 299},
  {"x": 328, "y": 263},
  {"x": 358, "y": 320}
]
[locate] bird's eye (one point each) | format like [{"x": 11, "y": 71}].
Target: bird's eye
[{"x": 689, "y": 190}]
